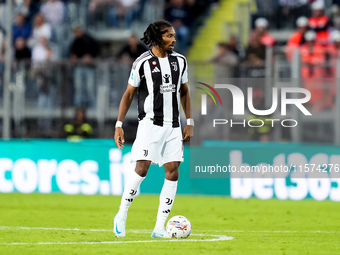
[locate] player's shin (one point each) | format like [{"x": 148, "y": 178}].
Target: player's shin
[
  {"x": 130, "y": 191},
  {"x": 166, "y": 201}
]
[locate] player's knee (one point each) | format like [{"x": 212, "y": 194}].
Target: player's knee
[
  {"x": 142, "y": 167},
  {"x": 141, "y": 172},
  {"x": 172, "y": 176},
  {"x": 171, "y": 171}
]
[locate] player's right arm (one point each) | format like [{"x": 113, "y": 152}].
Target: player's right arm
[
  {"x": 124, "y": 106},
  {"x": 125, "y": 103}
]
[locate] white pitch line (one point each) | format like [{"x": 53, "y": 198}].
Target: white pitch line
[
  {"x": 274, "y": 231},
  {"x": 57, "y": 229},
  {"x": 149, "y": 231},
  {"x": 217, "y": 238}
]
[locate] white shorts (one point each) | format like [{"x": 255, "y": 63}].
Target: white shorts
[{"x": 158, "y": 144}]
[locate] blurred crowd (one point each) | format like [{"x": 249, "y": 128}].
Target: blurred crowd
[
  {"x": 55, "y": 43},
  {"x": 318, "y": 27},
  {"x": 39, "y": 26},
  {"x": 315, "y": 39},
  {"x": 45, "y": 32}
]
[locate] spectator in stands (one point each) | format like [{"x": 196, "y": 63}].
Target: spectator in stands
[
  {"x": 79, "y": 128},
  {"x": 28, "y": 8},
  {"x": 40, "y": 29},
  {"x": 331, "y": 54},
  {"x": 22, "y": 52},
  {"x": 226, "y": 62},
  {"x": 124, "y": 10},
  {"x": 178, "y": 14},
  {"x": 256, "y": 51},
  {"x": 266, "y": 39},
  {"x": 331, "y": 59},
  {"x": 297, "y": 38},
  {"x": 334, "y": 47},
  {"x": 21, "y": 28},
  {"x": 131, "y": 51},
  {"x": 53, "y": 12},
  {"x": 83, "y": 50},
  {"x": 312, "y": 70},
  {"x": 42, "y": 54},
  {"x": 236, "y": 47},
  {"x": 320, "y": 23},
  {"x": 127, "y": 10}
]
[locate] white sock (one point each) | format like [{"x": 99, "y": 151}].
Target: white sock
[
  {"x": 166, "y": 200},
  {"x": 130, "y": 191}
]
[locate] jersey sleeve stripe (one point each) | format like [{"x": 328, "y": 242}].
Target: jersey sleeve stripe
[
  {"x": 142, "y": 93},
  {"x": 185, "y": 64},
  {"x": 141, "y": 57}
]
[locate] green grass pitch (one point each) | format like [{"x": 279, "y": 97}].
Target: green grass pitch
[{"x": 61, "y": 224}]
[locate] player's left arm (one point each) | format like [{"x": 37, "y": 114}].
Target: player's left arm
[{"x": 188, "y": 131}]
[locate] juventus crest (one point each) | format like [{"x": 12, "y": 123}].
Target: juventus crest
[{"x": 174, "y": 66}]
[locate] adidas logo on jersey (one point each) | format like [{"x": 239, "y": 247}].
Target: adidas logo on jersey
[{"x": 156, "y": 70}]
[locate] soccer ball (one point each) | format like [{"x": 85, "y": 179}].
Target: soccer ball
[{"x": 178, "y": 227}]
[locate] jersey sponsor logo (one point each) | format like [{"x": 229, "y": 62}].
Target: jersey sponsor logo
[
  {"x": 131, "y": 76},
  {"x": 167, "y": 88},
  {"x": 156, "y": 70},
  {"x": 154, "y": 63},
  {"x": 174, "y": 66},
  {"x": 166, "y": 78}
]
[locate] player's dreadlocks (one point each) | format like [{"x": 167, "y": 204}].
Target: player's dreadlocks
[{"x": 153, "y": 34}]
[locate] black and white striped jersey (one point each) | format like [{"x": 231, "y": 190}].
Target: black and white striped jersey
[{"x": 158, "y": 81}]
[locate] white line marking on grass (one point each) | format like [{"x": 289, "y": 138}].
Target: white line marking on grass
[
  {"x": 274, "y": 231},
  {"x": 149, "y": 231},
  {"x": 58, "y": 229},
  {"x": 216, "y": 238}
]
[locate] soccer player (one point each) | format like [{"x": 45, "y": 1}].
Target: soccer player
[{"x": 160, "y": 77}]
